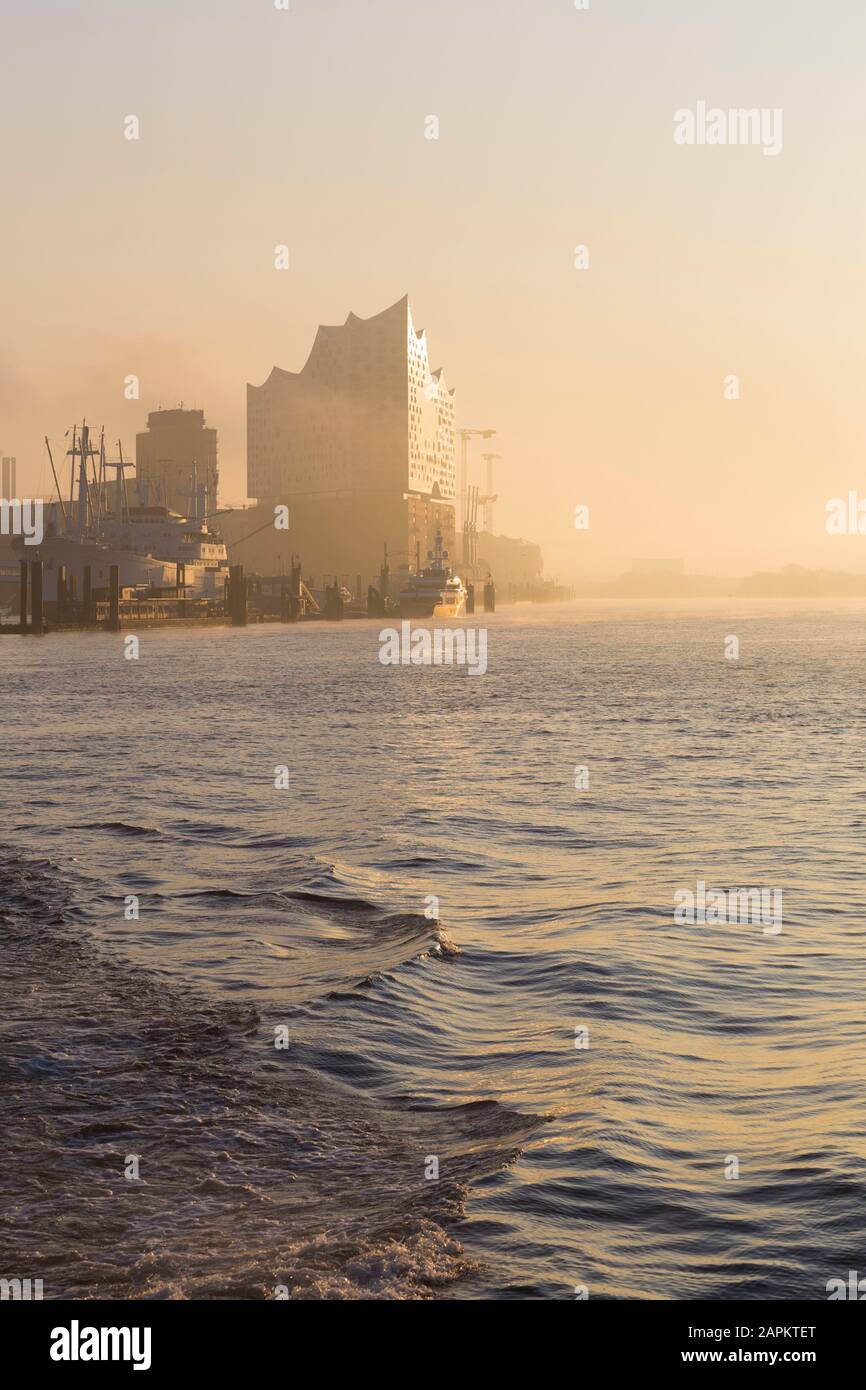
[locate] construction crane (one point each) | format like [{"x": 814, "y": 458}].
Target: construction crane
[
  {"x": 463, "y": 480},
  {"x": 489, "y": 497}
]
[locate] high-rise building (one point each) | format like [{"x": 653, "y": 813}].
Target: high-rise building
[
  {"x": 359, "y": 444},
  {"x": 176, "y": 462},
  {"x": 7, "y": 479}
]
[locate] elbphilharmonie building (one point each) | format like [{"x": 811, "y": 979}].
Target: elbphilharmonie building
[{"x": 359, "y": 444}]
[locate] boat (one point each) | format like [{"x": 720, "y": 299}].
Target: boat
[
  {"x": 151, "y": 546},
  {"x": 433, "y": 591},
  {"x": 180, "y": 543},
  {"x": 453, "y": 600}
]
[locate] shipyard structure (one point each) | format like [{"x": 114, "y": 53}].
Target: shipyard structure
[{"x": 359, "y": 445}]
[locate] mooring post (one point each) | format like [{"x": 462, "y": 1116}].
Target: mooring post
[
  {"x": 36, "y": 597},
  {"x": 384, "y": 575},
  {"x": 470, "y": 599},
  {"x": 489, "y": 597},
  {"x": 238, "y": 596},
  {"x": 87, "y": 597},
  {"x": 62, "y": 594},
  {"x": 295, "y": 591},
  {"x": 114, "y": 599},
  {"x": 333, "y": 601},
  {"x": 22, "y": 602}
]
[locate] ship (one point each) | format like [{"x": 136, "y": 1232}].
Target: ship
[
  {"x": 433, "y": 592},
  {"x": 152, "y": 546},
  {"x": 452, "y": 601}
]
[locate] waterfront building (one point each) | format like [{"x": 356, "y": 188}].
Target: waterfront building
[
  {"x": 359, "y": 445},
  {"x": 176, "y": 461}
]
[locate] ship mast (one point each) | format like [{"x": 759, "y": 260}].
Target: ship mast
[{"x": 82, "y": 450}]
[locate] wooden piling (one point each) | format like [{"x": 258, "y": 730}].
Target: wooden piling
[
  {"x": 295, "y": 605},
  {"x": 333, "y": 601},
  {"x": 470, "y": 599},
  {"x": 87, "y": 597},
  {"x": 114, "y": 599},
  {"x": 36, "y": 620},
  {"x": 62, "y": 594},
  {"x": 384, "y": 576},
  {"x": 237, "y": 596},
  {"x": 22, "y": 601}
]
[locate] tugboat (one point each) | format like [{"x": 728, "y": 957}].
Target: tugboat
[{"x": 433, "y": 592}]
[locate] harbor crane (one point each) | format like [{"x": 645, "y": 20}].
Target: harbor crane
[
  {"x": 463, "y": 480},
  {"x": 470, "y": 529},
  {"x": 489, "y": 496}
]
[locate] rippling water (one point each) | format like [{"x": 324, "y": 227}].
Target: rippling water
[{"x": 412, "y": 1039}]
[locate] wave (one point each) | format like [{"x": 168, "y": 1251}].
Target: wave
[
  {"x": 118, "y": 827},
  {"x": 257, "y": 1171}
]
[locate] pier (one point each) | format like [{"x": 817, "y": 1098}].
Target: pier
[{"x": 247, "y": 598}]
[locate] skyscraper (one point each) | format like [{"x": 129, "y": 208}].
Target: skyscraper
[
  {"x": 359, "y": 444},
  {"x": 176, "y": 450}
]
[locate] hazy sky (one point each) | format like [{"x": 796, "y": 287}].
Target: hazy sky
[{"x": 307, "y": 128}]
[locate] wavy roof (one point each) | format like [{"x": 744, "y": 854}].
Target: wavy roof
[{"x": 325, "y": 331}]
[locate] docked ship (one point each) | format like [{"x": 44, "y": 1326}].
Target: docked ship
[
  {"x": 433, "y": 592},
  {"x": 152, "y": 546}
]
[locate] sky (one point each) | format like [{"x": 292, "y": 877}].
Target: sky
[{"x": 307, "y": 127}]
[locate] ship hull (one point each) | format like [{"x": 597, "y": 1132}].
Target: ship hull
[
  {"x": 450, "y": 610},
  {"x": 133, "y": 570},
  {"x": 417, "y": 607}
]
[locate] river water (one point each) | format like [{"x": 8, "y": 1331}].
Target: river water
[{"x": 421, "y": 1023}]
